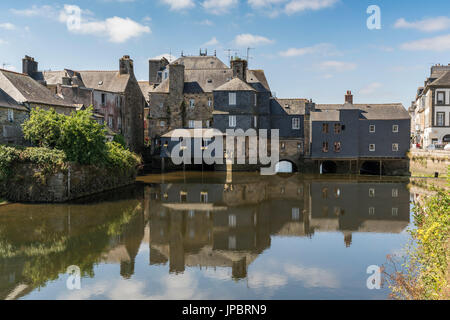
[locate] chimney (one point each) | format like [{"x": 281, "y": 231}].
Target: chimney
[
  {"x": 176, "y": 79},
  {"x": 239, "y": 67},
  {"x": 126, "y": 65},
  {"x": 349, "y": 97},
  {"x": 29, "y": 66}
]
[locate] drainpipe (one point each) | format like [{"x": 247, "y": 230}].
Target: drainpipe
[{"x": 68, "y": 183}]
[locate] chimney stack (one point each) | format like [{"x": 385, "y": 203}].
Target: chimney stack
[
  {"x": 239, "y": 67},
  {"x": 126, "y": 65},
  {"x": 29, "y": 66},
  {"x": 349, "y": 97}
]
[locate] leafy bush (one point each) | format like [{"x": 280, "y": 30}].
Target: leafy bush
[
  {"x": 8, "y": 155},
  {"x": 119, "y": 157},
  {"x": 120, "y": 140},
  {"x": 79, "y": 135}
]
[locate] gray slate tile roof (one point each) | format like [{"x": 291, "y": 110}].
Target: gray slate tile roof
[
  {"x": 201, "y": 62},
  {"x": 146, "y": 87},
  {"x": 205, "y": 80},
  {"x": 235, "y": 84},
  {"x": 391, "y": 111},
  {"x": 110, "y": 81},
  {"x": 22, "y": 88},
  {"x": 7, "y": 102},
  {"x": 442, "y": 81},
  {"x": 288, "y": 106}
]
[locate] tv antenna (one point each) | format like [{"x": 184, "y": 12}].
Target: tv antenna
[
  {"x": 248, "y": 54},
  {"x": 229, "y": 51}
]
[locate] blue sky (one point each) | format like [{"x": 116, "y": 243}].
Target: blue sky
[{"x": 308, "y": 48}]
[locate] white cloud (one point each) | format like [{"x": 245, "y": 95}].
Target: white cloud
[
  {"x": 2, "y": 42},
  {"x": 34, "y": 11},
  {"x": 249, "y": 40},
  {"x": 168, "y": 56},
  {"x": 322, "y": 48},
  {"x": 264, "y": 3},
  {"x": 116, "y": 29},
  {"x": 438, "y": 44},
  {"x": 7, "y": 26},
  {"x": 179, "y": 4},
  {"x": 312, "y": 277},
  {"x": 425, "y": 25},
  {"x": 338, "y": 66},
  {"x": 206, "y": 23},
  {"x": 266, "y": 279},
  {"x": 211, "y": 43},
  {"x": 219, "y": 6},
  {"x": 371, "y": 88},
  {"x": 295, "y": 6}
]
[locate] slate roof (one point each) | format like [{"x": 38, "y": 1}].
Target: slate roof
[
  {"x": 288, "y": 106},
  {"x": 325, "y": 115},
  {"x": 201, "y": 62},
  {"x": 162, "y": 88},
  {"x": 110, "y": 81},
  {"x": 22, "y": 88},
  {"x": 205, "y": 80},
  {"x": 7, "y": 102},
  {"x": 442, "y": 81},
  {"x": 146, "y": 87},
  {"x": 258, "y": 76},
  {"x": 392, "y": 111},
  {"x": 235, "y": 84}
]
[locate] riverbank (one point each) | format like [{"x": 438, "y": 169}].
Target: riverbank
[{"x": 425, "y": 163}]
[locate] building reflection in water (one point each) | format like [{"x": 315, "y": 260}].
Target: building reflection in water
[
  {"x": 188, "y": 223},
  {"x": 229, "y": 225}
]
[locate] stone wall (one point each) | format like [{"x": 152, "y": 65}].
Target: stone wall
[
  {"x": 31, "y": 184},
  {"x": 429, "y": 162},
  {"x": 11, "y": 132}
]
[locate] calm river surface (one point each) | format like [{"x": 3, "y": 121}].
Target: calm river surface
[{"x": 209, "y": 236}]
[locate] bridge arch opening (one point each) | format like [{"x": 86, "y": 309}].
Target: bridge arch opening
[
  {"x": 285, "y": 166},
  {"x": 371, "y": 168},
  {"x": 328, "y": 167}
]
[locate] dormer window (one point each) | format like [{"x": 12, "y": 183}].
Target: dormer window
[
  {"x": 232, "y": 98},
  {"x": 192, "y": 103},
  {"x": 286, "y": 106}
]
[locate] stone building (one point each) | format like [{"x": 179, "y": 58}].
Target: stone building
[
  {"x": 116, "y": 96},
  {"x": 430, "y": 112},
  {"x": 19, "y": 94}
]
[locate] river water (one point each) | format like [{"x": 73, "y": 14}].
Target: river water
[{"x": 207, "y": 235}]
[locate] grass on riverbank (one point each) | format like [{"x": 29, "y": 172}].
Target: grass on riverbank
[{"x": 425, "y": 272}]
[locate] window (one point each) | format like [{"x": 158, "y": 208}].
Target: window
[
  {"x": 441, "y": 98},
  {"x": 372, "y": 193},
  {"x": 10, "y": 115},
  {"x": 440, "y": 119},
  {"x": 283, "y": 146},
  {"x": 232, "y": 98},
  {"x": 232, "y": 221},
  {"x": 296, "y": 124},
  {"x": 208, "y": 123},
  {"x": 295, "y": 214},
  {"x": 191, "y": 123},
  {"x": 166, "y": 75},
  {"x": 395, "y": 128},
  {"x": 337, "y": 128},
  {"x": 103, "y": 99},
  {"x": 372, "y": 147},
  {"x": 394, "y": 193},
  {"x": 256, "y": 99},
  {"x": 119, "y": 123},
  {"x": 183, "y": 196},
  {"x": 325, "y": 193},
  {"x": 161, "y": 105},
  {"x": 192, "y": 103},
  {"x": 325, "y": 128},
  {"x": 232, "y": 121},
  {"x": 209, "y": 102},
  {"x": 204, "y": 197},
  {"x": 337, "y": 147},
  {"x": 255, "y": 121},
  {"x": 325, "y": 147},
  {"x": 299, "y": 146},
  {"x": 110, "y": 121},
  {"x": 231, "y": 242},
  {"x": 372, "y": 128},
  {"x": 162, "y": 123},
  {"x": 372, "y": 211},
  {"x": 395, "y": 147},
  {"x": 286, "y": 106},
  {"x": 337, "y": 193}
]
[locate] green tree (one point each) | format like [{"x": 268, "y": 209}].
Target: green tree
[{"x": 43, "y": 128}]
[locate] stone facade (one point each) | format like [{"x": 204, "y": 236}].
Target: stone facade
[{"x": 11, "y": 129}]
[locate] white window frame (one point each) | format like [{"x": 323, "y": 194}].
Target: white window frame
[
  {"x": 192, "y": 103},
  {"x": 438, "y": 114},
  {"x": 162, "y": 123},
  {"x": 10, "y": 115},
  {"x": 295, "y": 123},
  {"x": 232, "y": 221},
  {"x": 437, "y": 97},
  {"x": 372, "y": 147},
  {"x": 209, "y": 102},
  {"x": 296, "y": 214},
  {"x": 232, "y": 121},
  {"x": 191, "y": 124},
  {"x": 372, "y": 211},
  {"x": 232, "y": 98},
  {"x": 372, "y": 128},
  {"x": 395, "y": 128},
  {"x": 255, "y": 121},
  {"x": 394, "y": 193},
  {"x": 208, "y": 123},
  {"x": 395, "y": 147},
  {"x": 372, "y": 193}
]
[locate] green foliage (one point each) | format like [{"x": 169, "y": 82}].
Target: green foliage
[
  {"x": 8, "y": 155},
  {"x": 79, "y": 135},
  {"x": 120, "y": 140},
  {"x": 43, "y": 128},
  {"x": 121, "y": 158},
  {"x": 425, "y": 270}
]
